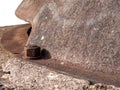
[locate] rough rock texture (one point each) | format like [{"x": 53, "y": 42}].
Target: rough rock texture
[
  {"x": 24, "y": 74},
  {"x": 28, "y": 76},
  {"x": 33, "y": 77},
  {"x": 84, "y": 32},
  {"x": 14, "y": 38},
  {"x": 4, "y": 56}
]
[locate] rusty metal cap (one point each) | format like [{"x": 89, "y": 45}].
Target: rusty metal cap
[{"x": 32, "y": 52}]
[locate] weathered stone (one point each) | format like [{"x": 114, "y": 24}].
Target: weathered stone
[
  {"x": 83, "y": 32},
  {"x": 14, "y": 38},
  {"x": 33, "y": 77},
  {"x": 13, "y": 64}
]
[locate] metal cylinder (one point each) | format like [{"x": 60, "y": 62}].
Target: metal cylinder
[{"x": 32, "y": 52}]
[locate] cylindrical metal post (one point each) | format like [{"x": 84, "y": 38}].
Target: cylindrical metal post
[{"x": 32, "y": 52}]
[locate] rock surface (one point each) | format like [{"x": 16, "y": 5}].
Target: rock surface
[
  {"x": 28, "y": 76},
  {"x": 14, "y": 39},
  {"x": 83, "y": 32}
]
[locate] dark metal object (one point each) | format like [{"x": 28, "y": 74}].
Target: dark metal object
[{"x": 32, "y": 52}]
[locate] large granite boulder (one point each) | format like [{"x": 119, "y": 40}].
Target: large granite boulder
[{"x": 83, "y": 32}]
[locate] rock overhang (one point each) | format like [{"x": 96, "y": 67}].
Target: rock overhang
[{"x": 85, "y": 33}]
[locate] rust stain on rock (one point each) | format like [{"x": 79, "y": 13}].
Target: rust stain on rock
[{"x": 15, "y": 38}]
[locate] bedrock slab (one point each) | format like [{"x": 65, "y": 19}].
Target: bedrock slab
[
  {"x": 15, "y": 34},
  {"x": 25, "y": 75},
  {"x": 18, "y": 69},
  {"x": 83, "y": 32},
  {"x": 33, "y": 77}
]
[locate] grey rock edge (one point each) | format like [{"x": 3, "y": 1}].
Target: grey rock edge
[
  {"x": 33, "y": 77},
  {"x": 83, "y": 32},
  {"x": 21, "y": 78},
  {"x": 29, "y": 76}
]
